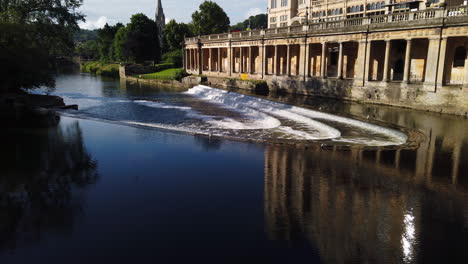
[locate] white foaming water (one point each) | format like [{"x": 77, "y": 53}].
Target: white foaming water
[{"x": 313, "y": 129}]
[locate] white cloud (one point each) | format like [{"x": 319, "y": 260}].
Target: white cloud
[
  {"x": 95, "y": 24},
  {"x": 253, "y": 12}
]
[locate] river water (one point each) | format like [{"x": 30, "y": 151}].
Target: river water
[{"x": 147, "y": 174}]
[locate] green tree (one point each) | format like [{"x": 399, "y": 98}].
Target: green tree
[
  {"x": 105, "y": 39},
  {"x": 255, "y": 22},
  {"x": 210, "y": 19},
  {"x": 120, "y": 40},
  {"x": 32, "y": 34},
  {"x": 174, "y": 34},
  {"x": 88, "y": 50}
]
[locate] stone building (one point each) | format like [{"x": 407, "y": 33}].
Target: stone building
[{"x": 410, "y": 58}]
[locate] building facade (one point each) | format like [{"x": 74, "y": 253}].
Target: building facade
[
  {"x": 399, "y": 58},
  {"x": 283, "y": 13}
]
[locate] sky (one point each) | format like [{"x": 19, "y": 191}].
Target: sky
[{"x": 100, "y": 12}]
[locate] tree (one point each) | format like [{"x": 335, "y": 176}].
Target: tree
[
  {"x": 138, "y": 41},
  {"x": 88, "y": 50},
  {"x": 105, "y": 39},
  {"x": 256, "y": 22},
  {"x": 210, "y": 19},
  {"x": 32, "y": 34},
  {"x": 174, "y": 33}
]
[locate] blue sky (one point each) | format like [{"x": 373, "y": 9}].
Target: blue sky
[{"x": 99, "y": 12}]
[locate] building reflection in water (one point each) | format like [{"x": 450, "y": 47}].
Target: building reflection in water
[
  {"x": 42, "y": 179},
  {"x": 363, "y": 206}
]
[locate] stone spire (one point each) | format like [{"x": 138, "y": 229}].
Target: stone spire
[{"x": 161, "y": 22}]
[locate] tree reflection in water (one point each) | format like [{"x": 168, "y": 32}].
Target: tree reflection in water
[{"x": 42, "y": 178}]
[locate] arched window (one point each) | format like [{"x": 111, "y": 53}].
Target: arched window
[
  {"x": 362, "y": 8},
  {"x": 460, "y": 57},
  {"x": 353, "y": 9},
  {"x": 341, "y": 11},
  {"x": 348, "y": 10},
  {"x": 373, "y": 6},
  {"x": 382, "y": 4},
  {"x": 377, "y": 6},
  {"x": 368, "y": 7}
]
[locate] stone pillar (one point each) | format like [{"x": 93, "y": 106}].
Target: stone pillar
[
  {"x": 360, "y": 64},
  {"x": 241, "y": 60},
  {"x": 230, "y": 59},
  {"x": 432, "y": 61},
  {"x": 220, "y": 61},
  {"x": 442, "y": 56},
  {"x": 275, "y": 61},
  {"x": 367, "y": 62},
  {"x": 288, "y": 60},
  {"x": 307, "y": 61},
  {"x": 210, "y": 59},
  {"x": 302, "y": 60},
  {"x": 262, "y": 53},
  {"x": 250, "y": 60},
  {"x": 340, "y": 61},
  {"x": 388, "y": 45},
  {"x": 323, "y": 67},
  {"x": 200, "y": 60},
  {"x": 406, "y": 72}
]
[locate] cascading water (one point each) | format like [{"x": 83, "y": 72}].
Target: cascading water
[{"x": 215, "y": 112}]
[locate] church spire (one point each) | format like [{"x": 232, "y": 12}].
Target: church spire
[{"x": 161, "y": 23}]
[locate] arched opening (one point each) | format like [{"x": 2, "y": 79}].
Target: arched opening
[{"x": 459, "y": 57}]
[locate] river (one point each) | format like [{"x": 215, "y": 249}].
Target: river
[{"x": 146, "y": 174}]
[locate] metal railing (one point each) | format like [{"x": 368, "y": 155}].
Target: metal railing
[{"x": 334, "y": 24}]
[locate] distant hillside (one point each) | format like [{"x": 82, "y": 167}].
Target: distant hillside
[{"x": 85, "y": 35}]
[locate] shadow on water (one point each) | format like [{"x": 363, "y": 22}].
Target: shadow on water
[{"x": 42, "y": 178}]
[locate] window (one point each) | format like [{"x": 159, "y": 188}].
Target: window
[
  {"x": 377, "y": 6},
  {"x": 284, "y": 2},
  {"x": 284, "y": 24},
  {"x": 283, "y": 18},
  {"x": 273, "y": 3},
  {"x": 272, "y": 19},
  {"x": 460, "y": 57}
]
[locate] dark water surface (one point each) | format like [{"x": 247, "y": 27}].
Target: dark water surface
[{"x": 97, "y": 192}]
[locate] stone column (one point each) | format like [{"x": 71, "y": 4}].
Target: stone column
[
  {"x": 250, "y": 60},
  {"x": 302, "y": 61},
  {"x": 200, "y": 60},
  {"x": 367, "y": 62},
  {"x": 388, "y": 45},
  {"x": 360, "y": 64},
  {"x": 262, "y": 51},
  {"x": 340, "y": 61},
  {"x": 275, "y": 61},
  {"x": 307, "y": 61},
  {"x": 288, "y": 60},
  {"x": 220, "y": 61},
  {"x": 230, "y": 59},
  {"x": 442, "y": 56},
  {"x": 406, "y": 72},
  {"x": 241, "y": 60},
  {"x": 323, "y": 67},
  {"x": 210, "y": 59},
  {"x": 465, "y": 82}
]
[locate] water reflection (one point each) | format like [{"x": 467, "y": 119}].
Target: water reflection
[
  {"x": 366, "y": 206},
  {"x": 42, "y": 179}
]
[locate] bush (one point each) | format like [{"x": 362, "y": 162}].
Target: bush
[
  {"x": 101, "y": 68},
  {"x": 174, "y": 57}
]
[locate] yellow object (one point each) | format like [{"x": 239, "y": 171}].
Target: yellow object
[{"x": 244, "y": 76}]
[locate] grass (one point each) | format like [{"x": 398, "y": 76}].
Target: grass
[
  {"x": 101, "y": 68},
  {"x": 168, "y": 74}
]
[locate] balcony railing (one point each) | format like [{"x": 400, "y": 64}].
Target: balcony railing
[{"x": 346, "y": 23}]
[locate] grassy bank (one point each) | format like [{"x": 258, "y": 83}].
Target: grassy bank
[
  {"x": 101, "y": 68},
  {"x": 168, "y": 74}
]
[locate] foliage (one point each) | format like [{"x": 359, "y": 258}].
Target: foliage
[
  {"x": 210, "y": 19},
  {"x": 85, "y": 35},
  {"x": 174, "y": 57},
  {"x": 105, "y": 39},
  {"x": 88, "y": 50},
  {"x": 169, "y": 74},
  {"x": 101, "y": 68},
  {"x": 138, "y": 41},
  {"x": 256, "y": 22},
  {"x": 163, "y": 66},
  {"x": 32, "y": 34},
  {"x": 174, "y": 34}
]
